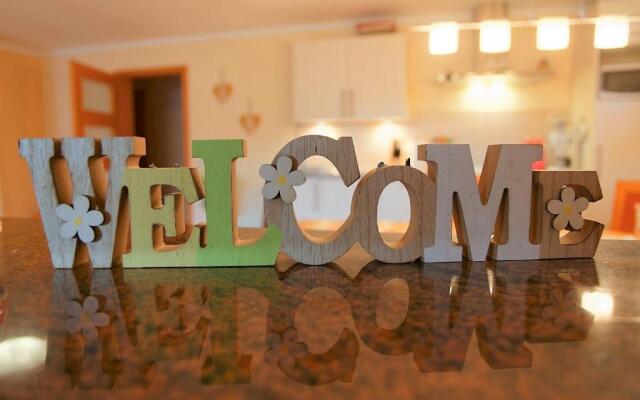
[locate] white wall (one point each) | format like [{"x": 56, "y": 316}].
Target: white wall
[
  {"x": 21, "y": 115},
  {"x": 259, "y": 67}
]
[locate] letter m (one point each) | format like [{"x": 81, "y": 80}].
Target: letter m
[{"x": 493, "y": 218}]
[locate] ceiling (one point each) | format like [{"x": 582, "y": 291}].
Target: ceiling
[{"x": 59, "y": 24}]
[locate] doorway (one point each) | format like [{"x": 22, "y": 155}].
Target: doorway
[
  {"x": 157, "y": 112},
  {"x": 148, "y": 103}
]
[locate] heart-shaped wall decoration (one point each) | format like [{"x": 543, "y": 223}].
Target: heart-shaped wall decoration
[
  {"x": 250, "y": 122},
  {"x": 223, "y": 91}
]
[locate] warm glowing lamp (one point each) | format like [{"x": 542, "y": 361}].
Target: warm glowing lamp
[
  {"x": 443, "y": 38},
  {"x": 553, "y": 34},
  {"x": 495, "y": 36},
  {"x": 612, "y": 32}
]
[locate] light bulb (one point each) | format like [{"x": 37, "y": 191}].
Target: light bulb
[
  {"x": 553, "y": 34},
  {"x": 495, "y": 36},
  {"x": 443, "y": 38},
  {"x": 612, "y": 32}
]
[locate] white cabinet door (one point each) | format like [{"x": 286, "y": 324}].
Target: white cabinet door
[
  {"x": 320, "y": 80},
  {"x": 377, "y": 76},
  {"x": 323, "y": 198},
  {"x": 358, "y": 78},
  {"x": 326, "y": 198}
]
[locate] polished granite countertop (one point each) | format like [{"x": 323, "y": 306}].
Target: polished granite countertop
[{"x": 353, "y": 329}]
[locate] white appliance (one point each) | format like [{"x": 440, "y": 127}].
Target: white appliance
[
  {"x": 617, "y": 143},
  {"x": 324, "y": 197}
]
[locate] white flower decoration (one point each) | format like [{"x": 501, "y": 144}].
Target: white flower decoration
[
  {"x": 79, "y": 220},
  {"x": 284, "y": 349},
  {"x": 281, "y": 180},
  {"x": 563, "y": 309},
  {"x": 85, "y": 317},
  {"x": 569, "y": 210}
]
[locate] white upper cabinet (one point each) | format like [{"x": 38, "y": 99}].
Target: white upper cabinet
[
  {"x": 319, "y": 79},
  {"x": 359, "y": 78},
  {"x": 377, "y": 77}
]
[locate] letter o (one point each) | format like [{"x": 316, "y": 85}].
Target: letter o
[{"x": 419, "y": 235}]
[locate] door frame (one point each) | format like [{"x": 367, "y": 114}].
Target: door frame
[
  {"x": 122, "y": 86},
  {"x": 82, "y": 118},
  {"x": 124, "y": 97}
]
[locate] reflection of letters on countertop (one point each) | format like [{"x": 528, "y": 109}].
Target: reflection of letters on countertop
[{"x": 342, "y": 328}]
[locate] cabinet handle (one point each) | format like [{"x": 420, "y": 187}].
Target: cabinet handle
[
  {"x": 352, "y": 102},
  {"x": 344, "y": 107}
]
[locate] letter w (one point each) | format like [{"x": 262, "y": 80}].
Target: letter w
[{"x": 90, "y": 177}]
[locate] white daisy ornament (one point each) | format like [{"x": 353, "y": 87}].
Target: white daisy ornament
[
  {"x": 280, "y": 180},
  {"x": 568, "y": 210},
  {"x": 284, "y": 349},
  {"x": 79, "y": 220},
  {"x": 85, "y": 318}
]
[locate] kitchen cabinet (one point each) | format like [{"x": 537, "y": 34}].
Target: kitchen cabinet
[
  {"x": 320, "y": 79},
  {"x": 356, "y": 78},
  {"x": 377, "y": 77}
]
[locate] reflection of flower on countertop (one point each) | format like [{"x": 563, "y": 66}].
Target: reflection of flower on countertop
[
  {"x": 281, "y": 180},
  {"x": 554, "y": 309},
  {"x": 564, "y": 308},
  {"x": 85, "y": 317},
  {"x": 568, "y": 210},
  {"x": 79, "y": 220},
  {"x": 284, "y": 349}
]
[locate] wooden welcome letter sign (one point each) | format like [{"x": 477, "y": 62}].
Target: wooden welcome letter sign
[
  {"x": 361, "y": 226},
  {"x": 183, "y": 217}
]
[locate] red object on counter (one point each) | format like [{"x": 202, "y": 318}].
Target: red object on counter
[{"x": 542, "y": 164}]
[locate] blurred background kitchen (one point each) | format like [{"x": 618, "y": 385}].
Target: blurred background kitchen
[{"x": 391, "y": 74}]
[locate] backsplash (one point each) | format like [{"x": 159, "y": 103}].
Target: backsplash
[{"x": 375, "y": 142}]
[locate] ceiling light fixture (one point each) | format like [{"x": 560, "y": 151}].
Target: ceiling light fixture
[
  {"x": 495, "y": 36},
  {"x": 443, "y": 38},
  {"x": 612, "y": 32},
  {"x": 553, "y": 34}
]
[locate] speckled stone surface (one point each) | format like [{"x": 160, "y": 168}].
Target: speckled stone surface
[{"x": 355, "y": 329}]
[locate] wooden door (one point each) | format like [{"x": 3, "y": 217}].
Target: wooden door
[
  {"x": 159, "y": 119},
  {"x": 320, "y": 80},
  {"x": 94, "y": 102}
]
